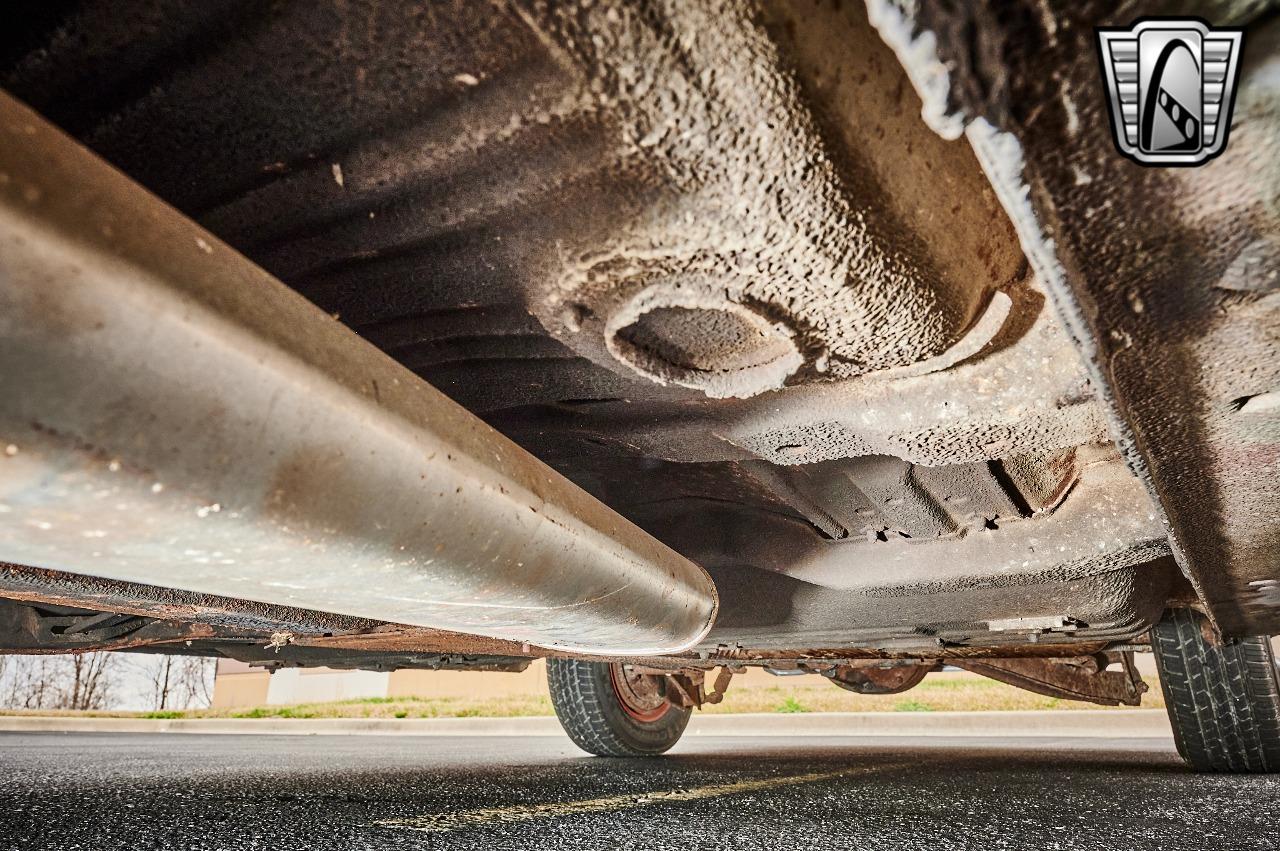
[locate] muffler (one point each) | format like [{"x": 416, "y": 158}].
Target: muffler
[{"x": 171, "y": 414}]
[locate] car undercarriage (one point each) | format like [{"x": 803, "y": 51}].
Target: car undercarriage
[{"x": 807, "y": 335}]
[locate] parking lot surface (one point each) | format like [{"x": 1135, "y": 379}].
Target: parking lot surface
[{"x": 129, "y": 791}]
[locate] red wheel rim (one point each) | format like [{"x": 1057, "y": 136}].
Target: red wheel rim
[{"x": 640, "y": 695}]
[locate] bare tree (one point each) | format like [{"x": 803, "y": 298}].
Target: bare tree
[
  {"x": 179, "y": 682},
  {"x": 195, "y": 678},
  {"x": 81, "y": 681},
  {"x": 95, "y": 680},
  {"x": 164, "y": 680},
  {"x": 33, "y": 682},
  {"x": 88, "y": 683}
]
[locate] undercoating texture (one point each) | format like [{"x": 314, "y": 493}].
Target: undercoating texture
[
  {"x": 1166, "y": 277},
  {"x": 1020, "y": 396},
  {"x": 584, "y": 152},
  {"x": 502, "y": 211},
  {"x": 684, "y": 337},
  {"x": 770, "y": 611},
  {"x": 436, "y": 200},
  {"x": 748, "y": 203}
]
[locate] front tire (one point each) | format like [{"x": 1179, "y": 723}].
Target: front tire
[
  {"x": 1223, "y": 699},
  {"x": 609, "y": 710}
]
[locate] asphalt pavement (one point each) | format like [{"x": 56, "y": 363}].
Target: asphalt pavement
[{"x": 131, "y": 791}]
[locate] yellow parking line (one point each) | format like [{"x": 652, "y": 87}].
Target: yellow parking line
[{"x": 444, "y": 822}]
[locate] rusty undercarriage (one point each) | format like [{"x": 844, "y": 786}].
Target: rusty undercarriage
[{"x": 801, "y": 334}]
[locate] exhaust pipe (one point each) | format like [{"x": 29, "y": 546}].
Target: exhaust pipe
[{"x": 172, "y": 415}]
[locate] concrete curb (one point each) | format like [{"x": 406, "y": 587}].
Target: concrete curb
[
  {"x": 1110, "y": 724},
  {"x": 1094, "y": 723}
]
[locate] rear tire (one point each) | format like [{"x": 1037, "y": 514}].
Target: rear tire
[
  {"x": 1223, "y": 699},
  {"x": 607, "y": 712}
]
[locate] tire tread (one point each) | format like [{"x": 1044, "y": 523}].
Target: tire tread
[
  {"x": 584, "y": 701},
  {"x": 1223, "y": 699}
]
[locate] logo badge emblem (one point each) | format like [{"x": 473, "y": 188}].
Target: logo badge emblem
[{"x": 1171, "y": 83}]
